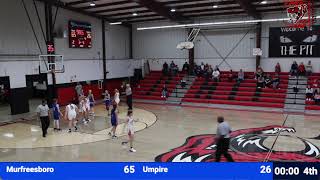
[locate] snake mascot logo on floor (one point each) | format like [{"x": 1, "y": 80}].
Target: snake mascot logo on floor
[{"x": 246, "y": 145}]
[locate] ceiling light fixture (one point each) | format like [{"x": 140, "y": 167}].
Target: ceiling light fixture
[
  {"x": 264, "y": 2},
  {"x": 135, "y": 14},
  {"x": 115, "y": 23},
  {"x": 215, "y": 6},
  {"x": 173, "y": 10},
  {"x": 92, "y": 4},
  {"x": 218, "y": 23}
]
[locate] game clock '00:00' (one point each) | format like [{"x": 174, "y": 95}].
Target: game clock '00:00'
[{"x": 291, "y": 171}]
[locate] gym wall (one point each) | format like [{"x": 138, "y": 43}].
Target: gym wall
[
  {"x": 19, "y": 50},
  {"x": 147, "y": 45}
]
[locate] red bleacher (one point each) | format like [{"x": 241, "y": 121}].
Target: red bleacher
[
  {"x": 245, "y": 94},
  {"x": 151, "y": 86},
  {"x": 310, "y": 105}
]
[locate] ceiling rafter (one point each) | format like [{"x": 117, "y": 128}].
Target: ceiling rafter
[
  {"x": 161, "y": 9},
  {"x": 62, "y": 5},
  {"x": 105, "y": 5},
  {"x": 249, "y": 8}
]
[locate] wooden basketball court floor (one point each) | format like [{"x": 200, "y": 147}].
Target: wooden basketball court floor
[{"x": 166, "y": 134}]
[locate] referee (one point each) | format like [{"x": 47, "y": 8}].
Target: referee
[
  {"x": 223, "y": 140},
  {"x": 129, "y": 96},
  {"x": 43, "y": 113}
]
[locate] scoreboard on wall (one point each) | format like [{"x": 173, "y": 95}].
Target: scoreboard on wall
[{"x": 80, "y": 35}]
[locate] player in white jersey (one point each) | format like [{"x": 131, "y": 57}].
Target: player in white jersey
[
  {"x": 83, "y": 109},
  {"x": 88, "y": 108},
  {"x": 117, "y": 96},
  {"x": 130, "y": 130},
  {"x": 71, "y": 116}
]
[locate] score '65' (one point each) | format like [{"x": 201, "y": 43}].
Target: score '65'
[{"x": 129, "y": 169}]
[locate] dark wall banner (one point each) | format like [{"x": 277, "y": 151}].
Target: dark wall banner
[{"x": 294, "y": 42}]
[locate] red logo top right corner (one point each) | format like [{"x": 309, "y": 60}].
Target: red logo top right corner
[{"x": 300, "y": 13}]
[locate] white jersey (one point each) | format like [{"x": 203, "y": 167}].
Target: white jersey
[
  {"x": 87, "y": 104},
  {"x": 130, "y": 126},
  {"x": 71, "y": 111},
  {"x": 82, "y": 106},
  {"x": 117, "y": 98}
]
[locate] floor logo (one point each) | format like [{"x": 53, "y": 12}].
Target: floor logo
[
  {"x": 300, "y": 13},
  {"x": 247, "y": 145}
]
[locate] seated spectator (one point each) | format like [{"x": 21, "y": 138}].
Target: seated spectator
[
  {"x": 240, "y": 76},
  {"x": 301, "y": 69},
  {"x": 309, "y": 69},
  {"x": 202, "y": 66},
  {"x": 294, "y": 69},
  {"x": 295, "y": 89},
  {"x": 206, "y": 67},
  {"x": 309, "y": 93},
  {"x": 183, "y": 83},
  {"x": 217, "y": 68},
  {"x": 231, "y": 76},
  {"x": 268, "y": 81},
  {"x": 175, "y": 70},
  {"x": 259, "y": 72},
  {"x": 277, "y": 68},
  {"x": 260, "y": 82},
  {"x": 276, "y": 81},
  {"x": 164, "y": 91},
  {"x": 209, "y": 72},
  {"x": 206, "y": 70},
  {"x": 185, "y": 67},
  {"x": 317, "y": 98},
  {"x": 165, "y": 69},
  {"x": 316, "y": 85},
  {"x": 197, "y": 70},
  {"x": 216, "y": 75},
  {"x": 172, "y": 66}
]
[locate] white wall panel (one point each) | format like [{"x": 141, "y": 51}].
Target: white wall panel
[
  {"x": 236, "y": 45},
  {"x": 16, "y": 36},
  {"x": 117, "y": 42},
  {"x": 158, "y": 43}
]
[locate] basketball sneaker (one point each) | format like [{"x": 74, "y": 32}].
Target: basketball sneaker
[{"x": 132, "y": 150}]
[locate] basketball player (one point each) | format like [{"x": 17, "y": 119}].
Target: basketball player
[
  {"x": 91, "y": 102},
  {"x": 117, "y": 96},
  {"x": 107, "y": 101},
  {"x": 88, "y": 109},
  {"x": 83, "y": 109},
  {"x": 130, "y": 130},
  {"x": 114, "y": 120},
  {"x": 129, "y": 96},
  {"x": 56, "y": 115},
  {"x": 71, "y": 115}
]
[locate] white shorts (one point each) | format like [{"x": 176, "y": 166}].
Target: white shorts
[
  {"x": 130, "y": 131},
  {"x": 117, "y": 101},
  {"x": 72, "y": 116}
]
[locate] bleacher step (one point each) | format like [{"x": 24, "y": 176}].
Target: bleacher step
[
  {"x": 295, "y": 101},
  {"x": 173, "y": 100},
  {"x": 294, "y": 106},
  {"x": 294, "y": 110}
]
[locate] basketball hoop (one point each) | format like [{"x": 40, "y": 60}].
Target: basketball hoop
[
  {"x": 51, "y": 64},
  {"x": 185, "y": 45}
]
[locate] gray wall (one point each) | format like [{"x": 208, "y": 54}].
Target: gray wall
[
  {"x": 160, "y": 45},
  {"x": 19, "y": 51}
]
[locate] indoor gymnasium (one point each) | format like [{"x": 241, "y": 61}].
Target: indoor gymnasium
[{"x": 159, "y": 81}]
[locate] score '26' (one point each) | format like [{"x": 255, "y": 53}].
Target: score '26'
[{"x": 265, "y": 169}]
